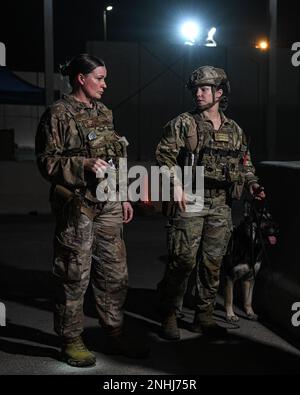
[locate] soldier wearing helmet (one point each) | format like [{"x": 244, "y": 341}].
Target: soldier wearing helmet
[
  {"x": 214, "y": 77},
  {"x": 198, "y": 235}
]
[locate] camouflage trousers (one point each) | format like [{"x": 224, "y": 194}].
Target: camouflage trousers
[
  {"x": 91, "y": 249},
  {"x": 200, "y": 240}
]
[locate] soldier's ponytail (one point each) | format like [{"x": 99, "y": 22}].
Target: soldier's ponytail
[{"x": 82, "y": 63}]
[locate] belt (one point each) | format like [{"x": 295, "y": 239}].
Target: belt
[
  {"x": 217, "y": 151},
  {"x": 209, "y": 193}
]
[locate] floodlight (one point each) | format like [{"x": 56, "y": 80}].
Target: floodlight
[
  {"x": 210, "y": 42},
  {"x": 190, "y": 31}
]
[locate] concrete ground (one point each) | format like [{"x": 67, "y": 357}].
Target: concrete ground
[{"x": 28, "y": 344}]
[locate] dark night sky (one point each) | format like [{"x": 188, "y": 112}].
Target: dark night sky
[{"x": 239, "y": 23}]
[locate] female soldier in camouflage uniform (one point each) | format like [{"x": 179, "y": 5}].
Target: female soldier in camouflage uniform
[
  {"x": 75, "y": 138},
  {"x": 217, "y": 143}
]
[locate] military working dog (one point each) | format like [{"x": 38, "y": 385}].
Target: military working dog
[{"x": 245, "y": 254}]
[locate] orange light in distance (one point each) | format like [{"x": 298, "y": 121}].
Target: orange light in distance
[{"x": 262, "y": 44}]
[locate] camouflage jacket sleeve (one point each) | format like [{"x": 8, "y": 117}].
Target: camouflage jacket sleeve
[
  {"x": 172, "y": 140},
  {"x": 54, "y": 165},
  {"x": 248, "y": 168}
]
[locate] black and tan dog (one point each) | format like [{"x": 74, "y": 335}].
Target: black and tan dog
[{"x": 245, "y": 255}]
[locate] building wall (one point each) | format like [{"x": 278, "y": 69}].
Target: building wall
[
  {"x": 277, "y": 286},
  {"x": 146, "y": 88}
]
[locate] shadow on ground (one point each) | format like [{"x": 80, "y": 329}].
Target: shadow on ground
[
  {"x": 194, "y": 354},
  {"x": 27, "y": 287},
  {"x": 13, "y": 338}
]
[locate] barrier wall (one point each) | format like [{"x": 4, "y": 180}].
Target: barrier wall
[{"x": 278, "y": 283}]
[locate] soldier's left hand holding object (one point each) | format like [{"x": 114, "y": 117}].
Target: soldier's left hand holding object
[
  {"x": 94, "y": 164},
  {"x": 127, "y": 212},
  {"x": 257, "y": 191}
]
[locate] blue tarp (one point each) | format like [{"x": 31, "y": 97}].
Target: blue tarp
[{"x": 15, "y": 90}]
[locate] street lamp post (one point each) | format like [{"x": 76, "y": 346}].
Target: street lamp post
[
  {"x": 49, "y": 56},
  {"x": 107, "y": 8},
  {"x": 272, "y": 98}
]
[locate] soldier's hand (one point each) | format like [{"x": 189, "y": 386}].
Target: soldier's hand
[
  {"x": 127, "y": 212},
  {"x": 95, "y": 164},
  {"x": 180, "y": 197},
  {"x": 257, "y": 191}
]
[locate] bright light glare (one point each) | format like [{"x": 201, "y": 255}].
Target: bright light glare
[
  {"x": 190, "y": 31},
  {"x": 211, "y": 33},
  {"x": 109, "y": 8},
  {"x": 263, "y": 44},
  {"x": 210, "y": 42}
]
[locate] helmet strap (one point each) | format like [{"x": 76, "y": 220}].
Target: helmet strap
[{"x": 208, "y": 106}]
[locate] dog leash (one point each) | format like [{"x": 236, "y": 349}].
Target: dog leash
[{"x": 264, "y": 251}]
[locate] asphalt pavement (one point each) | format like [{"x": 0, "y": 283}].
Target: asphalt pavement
[{"x": 28, "y": 345}]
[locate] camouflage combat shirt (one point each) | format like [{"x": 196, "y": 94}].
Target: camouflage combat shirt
[
  {"x": 229, "y": 140},
  {"x": 63, "y": 141}
]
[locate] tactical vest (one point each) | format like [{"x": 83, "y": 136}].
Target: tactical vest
[
  {"x": 220, "y": 153},
  {"x": 98, "y": 139}
]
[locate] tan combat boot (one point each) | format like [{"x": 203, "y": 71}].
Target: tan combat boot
[
  {"x": 169, "y": 327},
  {"x": 205, "y": 324},
  {"x": 75, "y": 353}
]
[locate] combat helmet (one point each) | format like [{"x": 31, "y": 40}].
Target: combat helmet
[{"x": 209, "y": 75}]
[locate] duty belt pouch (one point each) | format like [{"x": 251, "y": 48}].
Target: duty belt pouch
[
  {"x": 67, "y": 264},
  {"x": 66, "y": 205}
]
